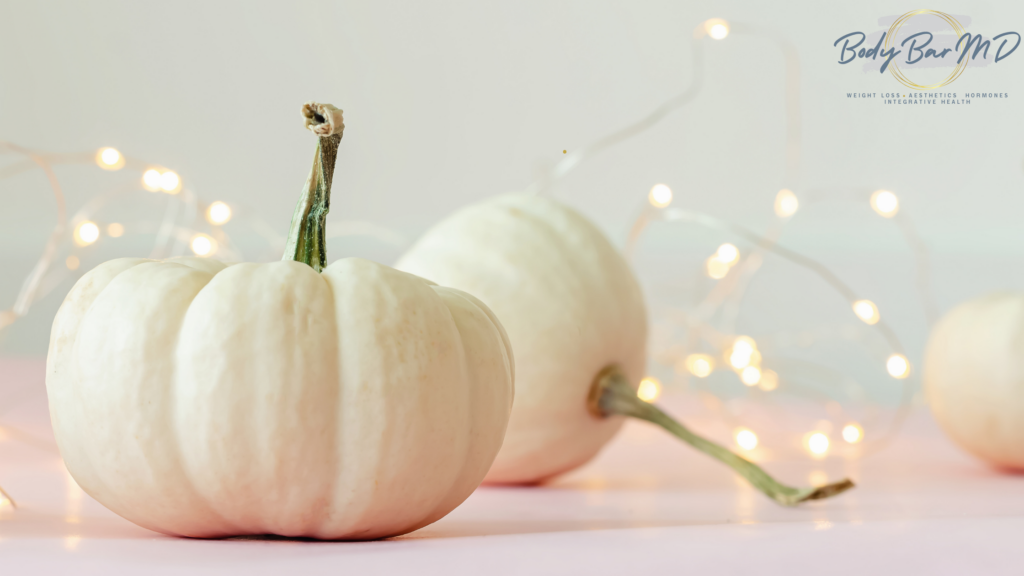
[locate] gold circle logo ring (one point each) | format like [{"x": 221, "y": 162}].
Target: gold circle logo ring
[{"x": 891, "y": 35}]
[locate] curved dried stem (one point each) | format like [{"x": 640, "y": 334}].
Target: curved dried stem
[{"x": 611, "y": 394}]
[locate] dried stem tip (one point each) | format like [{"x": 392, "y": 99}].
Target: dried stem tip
[{"x": 323, "y": 119}]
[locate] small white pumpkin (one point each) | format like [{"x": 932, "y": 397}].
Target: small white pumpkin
[
  {"x": 974, "y": 377},
  {"x": 576, "y": 318},
  {"x": 571, "y": 307},
  {"x": 205, "y": 400}
]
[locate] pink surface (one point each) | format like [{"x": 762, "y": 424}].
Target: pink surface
[{"x": 647, "y": 503}]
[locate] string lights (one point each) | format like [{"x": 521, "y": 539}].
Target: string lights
[
  {"x": 716, "y": 28},
  {"x": 700, "y": 365},
  {"x": 818, "y": 444},
  {"x": 885, "y": 203},
  {"x": 191, "y": 225},
  {"x": 218, "y": 213},
  {"x": 745, "y": 438},
  {"x": 86, "y": 233},
  {"x": 649, "y": 389},
  {"x": 786, "y": 203},
  {"x": 660, "y": 196},
  {"x": 853, "y": 433},
  {"x": 741, "y": 354},
  {"x": 109, "y": 159}
]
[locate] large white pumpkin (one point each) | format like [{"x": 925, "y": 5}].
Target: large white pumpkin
[
  {"x": 974, "y": 377},
  {"x": 202, "y": 400},
  {"x": 571, "y": 307}
]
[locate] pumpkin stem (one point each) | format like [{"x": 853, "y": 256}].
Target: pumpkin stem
[
  {"x": 307, "y": 238},
  {"x": 611, "y": 394}
]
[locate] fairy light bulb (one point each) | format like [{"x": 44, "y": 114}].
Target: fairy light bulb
[
  {"x": 649, "y": 389},
  {"x": 742, "y": 352},
  {"x": 86, "y": 233},
  {"x": 717, "y": 28},
  {"x": 817, "y": 443},
  {"x": 866, "y": 311},
  {"x": 202, "y": 245},
  {"x": 898, "y": 366},
  {"x": 745, "y": 439},
  {"x": 170, "y": 182},
  {"x": 109, "y": 159},
  {"x": 786, "y": 203},
  {"x": 218, "y": 213},
  {"x": 769, "y": 381},
  {"x": 750, "y": 375},
  {"x": 151, "y": 180},
  {"x": 728, "y": 253},
  {"x": 660, "y": 196},
  {"x": 700, "y": 365},
  {"x": 72, "y": 262},
  {"x": 115, "y": 230},
  {"x": 716, "y": 269},
  {"x": 885, "y": 203},
  {"x": 853, "y": 433}
]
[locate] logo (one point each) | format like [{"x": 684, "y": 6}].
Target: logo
[{"x": 925, "y": 49}]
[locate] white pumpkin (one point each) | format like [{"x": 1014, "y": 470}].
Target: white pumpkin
[
  {"x": 576, "y": 319},
  {"x": 571, "y": 307},
  {"x": 206, "y": 400},
  {"x": 202, "y": 400},
  {"x": 974, "y": 377}
]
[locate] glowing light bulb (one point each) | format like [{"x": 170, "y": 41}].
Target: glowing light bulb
[
  {"x": 769, "y": 381},
  {"x": 660, "y": 196},
  {"x": 700, "y": 365},
  {"x": 649, "y": 389},
  {"x": 786, "y": 203},
  {"x": 72, "y": 262},
  {"x": 742, "y": 352},
  {"x": 218, "y": 213},
  {"x": 885, "y": 203},
  {"x": 151, "y": 180},
  {"x": 745, "y": 439},
  {"x": 716, "y": 268},
  {"x": 898, "y": 366},
  {"x": 202, "y": 245},
  {"x": 86, "y": 233},
  {"x": 115, "y": 230},
  {"x": 817, "y": 443},
  {"x": 866, "y": 311},
  {"x": 728, "y": 253},
  {"x": 750, "y": 375},
  {"x": 853, "y": 433},
  {"x": 109, "y": 159},
  {"x": 717, "y": 28},
  {"x": 170, "y": 182}
]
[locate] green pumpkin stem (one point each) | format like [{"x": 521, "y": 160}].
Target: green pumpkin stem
[
  {"x": 611, "y": 394},
  {"x": 307, "y": 238}
]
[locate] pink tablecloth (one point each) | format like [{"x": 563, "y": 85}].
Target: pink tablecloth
[{"x": 646, "y": 504}]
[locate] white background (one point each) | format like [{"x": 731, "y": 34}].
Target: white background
[{"x": 448, "y": 103}]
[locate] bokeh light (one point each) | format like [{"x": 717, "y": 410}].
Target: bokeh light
[
  {"x": 649, "y": 389},
  {"x": 660, "y": 196},
  {"x": 745, "y": 439},
  {"x": 109, "y": 159},
  {"x": 786, "y": 203},
  {"x": 885, "y": 203},
  {"x": 86, "y": 233},
  {"x": 218, "y": 213}
]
